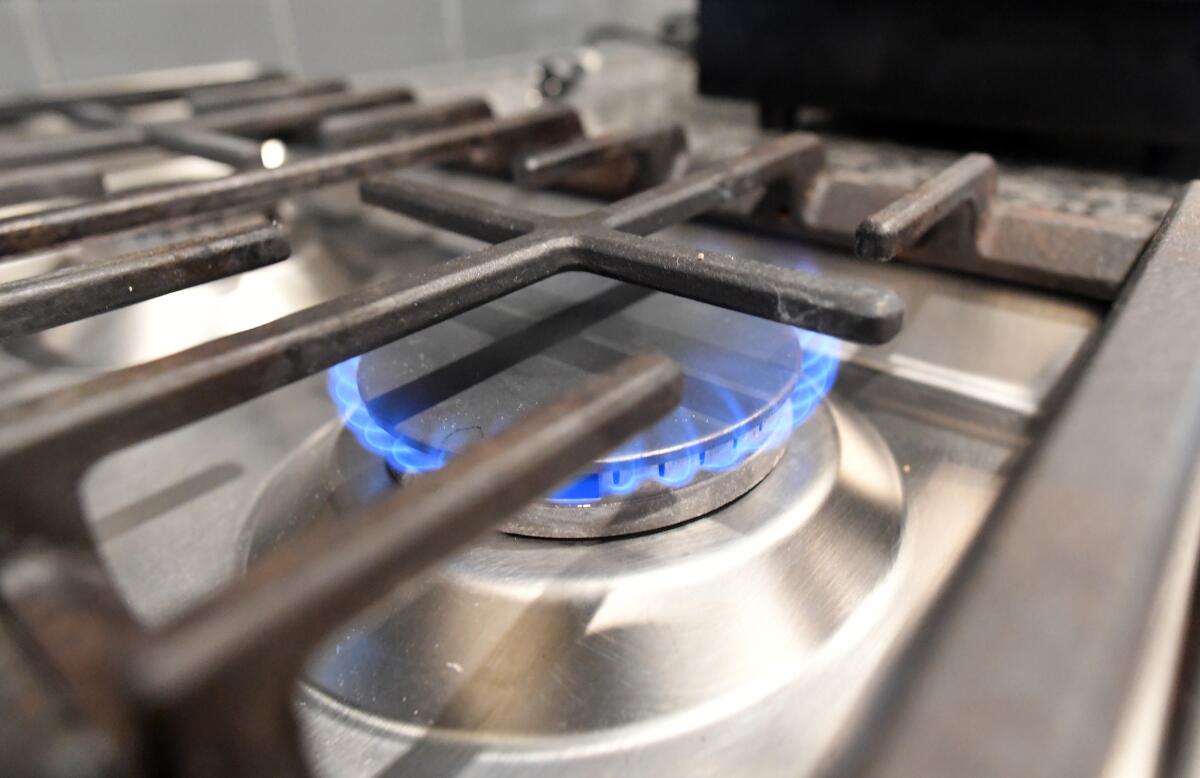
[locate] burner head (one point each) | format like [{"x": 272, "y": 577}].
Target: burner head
[
  {"x": 542, "y": 642},
  {"x": 748, "y": 383}
]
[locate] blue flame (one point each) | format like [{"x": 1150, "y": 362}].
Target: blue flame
[
  {"x": 818, "y": 372},
  {"x": 403, "y": 457}
]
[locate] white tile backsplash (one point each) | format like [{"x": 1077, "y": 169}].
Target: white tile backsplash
[{"x": 89, "y": 38}]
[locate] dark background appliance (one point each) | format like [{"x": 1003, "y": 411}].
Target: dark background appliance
[{"x": 1116, "y": 80}]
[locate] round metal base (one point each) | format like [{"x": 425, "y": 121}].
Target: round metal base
[
  {"x": 542, "y": 640},
  {"x": 652, "y": 505},
  {"x": 649, "y": 508}
]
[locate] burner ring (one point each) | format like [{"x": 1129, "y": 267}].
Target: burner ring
[
  {"x": 655, "y": 504},
  {"x": 748, "y": 383}
]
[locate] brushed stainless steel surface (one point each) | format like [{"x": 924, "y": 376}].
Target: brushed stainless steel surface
[
  {"x": 743, "y": 642},
  {"x": 541, "y": 638},
  {"x": 952, "y": 413},
  {"x": 941, "y": 412}
]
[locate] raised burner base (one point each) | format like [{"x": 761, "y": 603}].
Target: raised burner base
[
  {"x": 551, "y": 639},
  {"x": 650, "y": 508}
]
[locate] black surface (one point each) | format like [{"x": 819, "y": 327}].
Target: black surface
[{"x": 1125, "y": 72}]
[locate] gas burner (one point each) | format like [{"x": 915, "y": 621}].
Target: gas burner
[
  {"x": 761, "y": 585},
  {"x": 748, "y": 383},
  {"x": 464, "y": 659}
]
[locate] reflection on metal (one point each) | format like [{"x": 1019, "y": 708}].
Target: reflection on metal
[
  {"x": 75, "y": 293},
  {"x": 548, "y": 638},
  {"x": 273, "y": 153},
  {"x": 588, "y": 654},
  {"x": 330, "y": 257},
  {"x": 163, "y": 698},
  {"x": 257, "y": 632}
]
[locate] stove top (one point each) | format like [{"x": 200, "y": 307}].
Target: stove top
[{"x": 735, "y": 551}]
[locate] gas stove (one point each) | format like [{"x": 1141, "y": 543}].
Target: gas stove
[{"x": 356, "y": 428}]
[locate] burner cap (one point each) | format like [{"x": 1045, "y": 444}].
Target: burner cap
[{"x": 747, "y": 383}]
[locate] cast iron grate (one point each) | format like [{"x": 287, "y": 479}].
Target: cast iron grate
[{"x": 161, "y": 700}]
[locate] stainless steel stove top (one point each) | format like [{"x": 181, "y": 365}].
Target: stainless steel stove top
[
  {"x": 707, "y": 647},
  {"x": 750, "y": 631}
]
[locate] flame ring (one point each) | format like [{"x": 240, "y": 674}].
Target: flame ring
[{"x": 819, "y": 368}]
